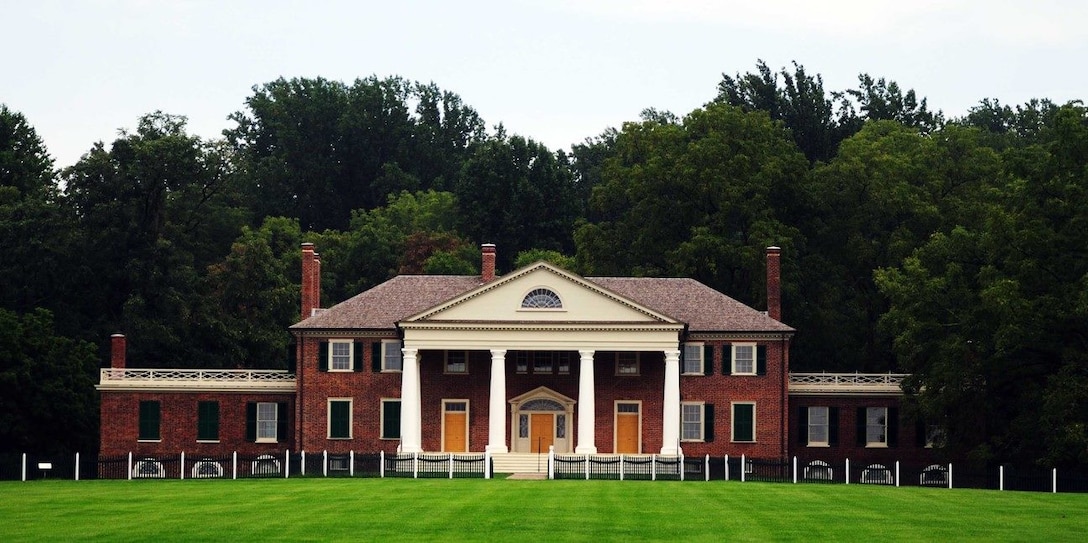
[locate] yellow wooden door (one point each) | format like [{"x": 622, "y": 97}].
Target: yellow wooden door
[
  {"x": 455, "y": 426},
  {"x": 541, "y": 432},
  {"x": 627, "y": 419}
]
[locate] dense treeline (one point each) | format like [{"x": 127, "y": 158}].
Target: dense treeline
[{"x": 953, "y": 249}]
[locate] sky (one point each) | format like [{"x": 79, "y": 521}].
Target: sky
[{"x": 556, "y": 71}]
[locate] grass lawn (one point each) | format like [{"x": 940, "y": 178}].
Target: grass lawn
[{"x": 505, "y": 510}]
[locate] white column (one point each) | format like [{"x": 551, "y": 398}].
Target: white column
[
  {"x": 496, "y": 412},
  {"x": 587, "y": 414},
  {"x": 670, "y": 412},
  {"x": 410, "y": 410}
]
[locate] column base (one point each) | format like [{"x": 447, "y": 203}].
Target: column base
[
  {"x": 670, "y": 451},
  {"x": 411, "y": 450},
  {"x": 585, "y": 450},
  {"x": 497, "y": 449}
]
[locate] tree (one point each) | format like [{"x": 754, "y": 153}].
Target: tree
[{"x": 47, "y": 397}]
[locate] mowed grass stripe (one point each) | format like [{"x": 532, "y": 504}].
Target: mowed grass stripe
[{"x": 500, "y": 510}]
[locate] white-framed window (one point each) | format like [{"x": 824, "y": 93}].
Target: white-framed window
[
  {"x": 390, "y": 414},
  {"x": 340, "y": 355},
  {"x": 340, "y": 418},
  {"x": 627, "y": 363},
  {"x": 456, "y": 362},
  {"x": 521, "y": 361},
  {"x": 563, "y": 359},
  {"x": 691, "y": 421},
  {"x": 693, "y": 359},
  {"x": 876, "y": 426},
  {"x": 542, "y": 362},
  {"x": 266, "y": 422},
  {"x": 392, "y": 357},
  {"x": 744, "y": 359},
  {"x": 541, "y": 298},
  {"x": 818, "y": 426},
  {"x": 744, "y": 422}
]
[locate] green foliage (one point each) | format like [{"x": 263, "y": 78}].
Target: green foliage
[
  {"x": 531, "y": 256},
  {"x": 47, "y": 397}
]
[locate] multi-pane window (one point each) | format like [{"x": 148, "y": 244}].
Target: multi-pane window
[
  {"x": 691, "y": 417},
  {"x": 744, "y": 359},
  {"x": 541, "y": 298},
  {"x": 818, "y": 424},
  {"x": 523, "y": 425},
  {"x": 150, "y": 420},
  {"x": 744, "y": 422},
  {"x": 542, "y": 362},
  {"x": 693, "y": 358},
  {"x": 340, "y": 355},
  {"x": 456, "y": 362},
  {"x": 521, "y": 360},
  {"x": 627, "y": 363},
  {"x": 207, "y": 421},
  {"x": 563, "y": 359},
  {"x": 339, "y": 418},
  {"x": 390, "y": 419},
  {"x": 560, "y": 426},
  {"x": 391, "y": 356},
  {"x": 876, "y": 426},
  {"x": 266, "y": 422}
]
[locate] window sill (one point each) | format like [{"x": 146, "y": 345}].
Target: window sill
[
  {"x": 819, "y": 445},
  {"x": 339, "y": 438},
  {"x": 389, "y": 439},
  {"x": 391, "y": 371},
  {"x": 735, "y": 441},
  {"x": 266, "y": 440},
  {"x": 694, "y": 374},
  {"x": 455, "y": 373},
  {"x": 331, "y": 370},
  {"x": 149, "y": 440},
  {"x": 207, "y": 441},
  {"x": 876, "y": 445},
  {"x": 692, "y": 441}
]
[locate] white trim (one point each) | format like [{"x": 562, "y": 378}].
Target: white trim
[
  {"x": 328, "y": 418},
  {"x": 562, "y": 306},
  {"x": 699, "y": 346},
  {"x": 446, "y": 362},
  {"x": 826, "y": 442},
  {"x": 883, "y": 444},
  {"x": 275, "y": 423},
  {"x": 386, "y": 345},
  {"x": 733, "y": 358},
  {"x": 332, "y": 356},
  {"x": 638, "y": 364},
  {"x": 702, "y": 422}
]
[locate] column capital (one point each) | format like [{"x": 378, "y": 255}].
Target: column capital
[{"x": 498, "y": 353}]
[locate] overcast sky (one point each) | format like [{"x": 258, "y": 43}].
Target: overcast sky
[{"x": 557, "y": 71}]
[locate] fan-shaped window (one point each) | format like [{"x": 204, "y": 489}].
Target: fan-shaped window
[
  {"x": 541, "y": 298},
  {"x": 542, "y": 404}
]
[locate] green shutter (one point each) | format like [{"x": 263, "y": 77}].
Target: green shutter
[
  {"x": 376, "y": 357},
  {"x": 357, "y": 355},
  {"x": 708, "y": 359},
  {"x": 150, "y": 420},
  {"x": 281, "y": 422},
  {"x": 893, "y": 427},
  {"x": 861, "y": 427},
  {"x": 323, "y": 356},
  {"x": 207, "y": 426},
  {"x": 832, "y": 426},
  {"x": 251, "y": 421},
  {"x": 339, "y": 419},
  {"x": 761, "y": 360},
  {"x": 727, "y": 359},
  {"x": 743, "y": 425},
  {"x": 708, "y": 422},
  {"x": 802, "y": 425},
  {"x": 391, "y": 419}
]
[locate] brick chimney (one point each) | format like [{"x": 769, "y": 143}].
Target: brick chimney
[
  {"x": 309, "y": 265},
  {"x": 117, "y": 351},
  {"x": 315, "y": 282},
  {"x": 774, "y": 283},
  {"x": 487, "y": 264}
]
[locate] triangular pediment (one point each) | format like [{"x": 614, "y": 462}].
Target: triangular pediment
[{"x": 580, "y": 301}]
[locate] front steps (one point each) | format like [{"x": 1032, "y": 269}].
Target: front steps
[{"x": 520, "y": 463}]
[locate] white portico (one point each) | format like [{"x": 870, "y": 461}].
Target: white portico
[{"x": 540, "y": 308}]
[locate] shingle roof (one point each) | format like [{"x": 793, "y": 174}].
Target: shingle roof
[{"x": 702, "y": 308}]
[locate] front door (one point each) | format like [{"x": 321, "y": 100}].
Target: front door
[
  {"x": 455, "y": 426},
  {"x": 541, "y": 432},
  {"x": 627, "y": 423}
]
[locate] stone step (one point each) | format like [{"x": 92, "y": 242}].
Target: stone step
[{"x": 520, "y": 463}]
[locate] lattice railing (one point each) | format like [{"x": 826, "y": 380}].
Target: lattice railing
[
  {"x": 183, "y": 377},
  {"x": 845, "y": 382}
]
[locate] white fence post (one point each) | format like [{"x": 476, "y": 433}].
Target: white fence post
[
  {"x": 706, "y": 467},
  {"x": 621, "y": 467},
  {"x": 897, "y": 474},
  {"x": 129, "y": 466},
  {"x": 234, "y": 465},
  {"x": 653, "y": 467},
  {"x": 302, "y": 466},
  {"x": 287, "y": 463},
  {"x": 1054, "y": 481},
  {"x": 795, "y": 469},
  {"x": 847, "y": 471},
  {"x": 743, "y": 466},
  {"x": 381, "y": 464},
  {"x": 587, "y": 465},
  {"x": 1001, "y": 477},
  {"x": 351, "y": 462},
  {"x": 77, "y": 466},
  {"x": 182, "y": 470},
  {"x": 551, "y": 462},
  {"x": 727, "y": 467},
  {"x": 415, "y": 465},
  {"x": 325, "y": 463},
  {"x": 24, "y": 467},
  {"x": 950, "y": 475},
  {"x": 451, "y": 465},
  {"x": 682, "y": 470},
  {"x": 487, "y": 463}
]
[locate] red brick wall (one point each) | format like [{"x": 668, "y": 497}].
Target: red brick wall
[
  {"x": 907, "y": 449},
  {"x": 120, "y": 414},
  {"x": 766, "y": 391},
  {"x": 437, "y": 385}
]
